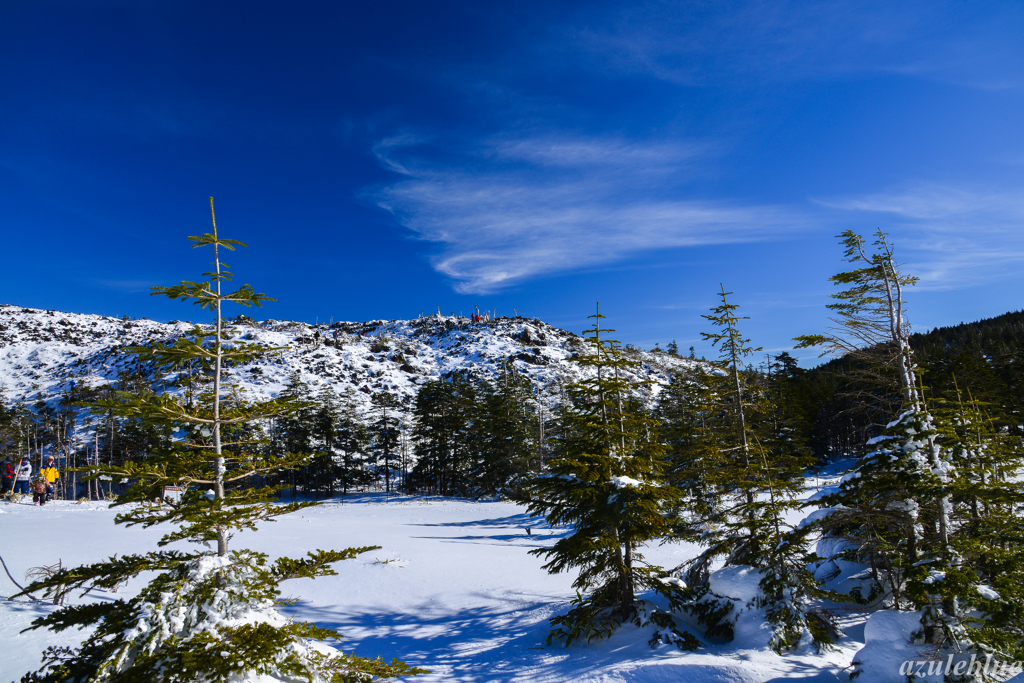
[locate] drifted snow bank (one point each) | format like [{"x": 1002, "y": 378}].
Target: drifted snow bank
[
  {"x": 890, "y": 655},
  {"x": 734, "y": 593},
  {"x": 739, "y": 583},
  {"x": 887, "y": 645},
  {"x": 840, "y": 575}
]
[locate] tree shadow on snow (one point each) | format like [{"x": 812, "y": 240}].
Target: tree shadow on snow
[
  {"x": 496, "y": 539},
  {"x": 807, "y": 673},
  {"x": 536, "y": 537},
  {"x": 521, "y": 521},
  {"x": 489, "y": 643},
  {"x": 471, "y": 644}
]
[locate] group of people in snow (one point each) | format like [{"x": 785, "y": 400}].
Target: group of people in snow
[
  {"x": 18, "y": 479},
  {"x": 485, "y": 318}
]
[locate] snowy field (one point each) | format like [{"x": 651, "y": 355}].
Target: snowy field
[{"x": 453, "y": 590}]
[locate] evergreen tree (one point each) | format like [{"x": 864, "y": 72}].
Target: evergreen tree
[
  {"x": 385, "y": 432},
  {"x": 326, "y": 422},
  {"x": 871, "y": 315},
  {"x": 689, "y": 416},
  {"x": 757, "y": 478},
  {"x": 978, "y": 599},
  {"x": 902, "y": 510},
  {"x": 206, "y": 615},
  {"x": 782, "y": 426},
  {"x": 352, "y": 440},
  {"x": 294, "y": 430},
  {"x": 605, "y": 484},
  {"x": 733, "y": 349},
  {"x": 506, "y": 432},
  {"x": 444, "y": 411}
]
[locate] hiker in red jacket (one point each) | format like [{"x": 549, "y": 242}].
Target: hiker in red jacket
[{"x": 6, "y": 475}]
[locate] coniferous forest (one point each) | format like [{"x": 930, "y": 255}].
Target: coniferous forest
[
  {"x": 926, "y": 520},
  {"x": 833, "y": 409}
]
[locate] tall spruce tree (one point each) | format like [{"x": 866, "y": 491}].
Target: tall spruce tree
[
  {"x": 294, "y": 431},
  {"x": 206, "y": 615},
  {"x": 690, "y": 417},
  {"x": 871, "y": 317},
  {"x": 605, "y": 483},
  {"x": 907, "y": 508},
  {"x": 326, "y": 422},
  {"x": 352, "y": 440},
  {"x": 385, "y": 431},
  {"x": 733, "y": 348},
  {"x": 445, "y": 411},
  {"x": 783, "y": 425},
  {"x": 978, "y": 599},
  {"x": 506, "y": 432},
  {"x": 757, "y": 479}
]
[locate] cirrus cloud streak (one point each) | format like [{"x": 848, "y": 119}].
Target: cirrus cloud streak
[
  {"x": 513, "y": 210},
  {"x": 957, "y": 236}
]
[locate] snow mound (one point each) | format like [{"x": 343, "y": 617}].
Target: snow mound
[
  {"x": 887, "y": 645},
  {"x": 739, "y": 583}
]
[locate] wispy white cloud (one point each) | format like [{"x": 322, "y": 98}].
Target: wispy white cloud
[
  {"x": 514, "y": 209},
  {"x": 954, "y": 236},
  {"x": 698, "y": 43}
]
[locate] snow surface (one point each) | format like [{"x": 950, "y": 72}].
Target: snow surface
[
  {"x": 626, "y": 482},
  {"x": 890, "y": 649},
  {"x": 738, "y": 583},
  {"x": 453, "y": 589},
  {"x": 887, "y": 635}
]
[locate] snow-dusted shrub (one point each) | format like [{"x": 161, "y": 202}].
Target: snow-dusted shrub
[{"x": 758, "y": 604}]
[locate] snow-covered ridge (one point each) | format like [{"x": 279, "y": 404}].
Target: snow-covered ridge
[{"x": 43, "y": 352}]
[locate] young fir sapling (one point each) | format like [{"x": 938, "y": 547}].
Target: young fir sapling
[
  {"x": 208, "y": 615},
  {"x": 749, "y": 484},
  {"x": 606, "y": 484}
]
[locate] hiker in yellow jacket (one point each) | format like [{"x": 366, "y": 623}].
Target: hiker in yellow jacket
[{"x": 50, "y": 474}]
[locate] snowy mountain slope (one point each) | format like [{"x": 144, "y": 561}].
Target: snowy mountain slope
[{"x": 43, "y": 352}]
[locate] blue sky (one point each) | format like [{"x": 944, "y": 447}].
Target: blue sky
[{"x": 387, "y": 158}]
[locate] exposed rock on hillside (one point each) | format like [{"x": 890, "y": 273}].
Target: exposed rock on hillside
[{"x": 43, "y": 352}]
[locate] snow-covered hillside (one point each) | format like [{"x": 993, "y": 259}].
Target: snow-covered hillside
[{"x": 43, "y": 352}]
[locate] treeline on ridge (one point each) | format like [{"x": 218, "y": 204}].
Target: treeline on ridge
[{"x": 473, "y": 436}]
